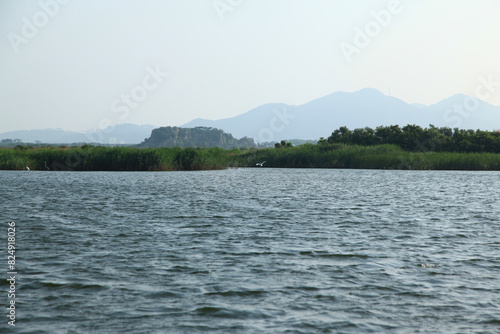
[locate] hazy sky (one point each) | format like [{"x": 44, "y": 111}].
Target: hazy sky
[{"x": 82, "y": 64}]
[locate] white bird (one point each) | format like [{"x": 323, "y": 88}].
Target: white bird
[
  {"x": 27, "y": 167},
  {"x": 261, "y": 164}
]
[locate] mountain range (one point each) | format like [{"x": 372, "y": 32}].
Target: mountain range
[
  {"x": 367, "y": 107},
  {"x": 312, "y": 120},
  {"x": 118, "y": 134}
]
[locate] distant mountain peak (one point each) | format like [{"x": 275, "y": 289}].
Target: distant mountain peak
[
  {"x": 368, "y": 90},
  {"x": 460, "y": 99}
]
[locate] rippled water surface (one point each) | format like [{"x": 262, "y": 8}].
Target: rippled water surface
[{"x": 255, "y": 251}]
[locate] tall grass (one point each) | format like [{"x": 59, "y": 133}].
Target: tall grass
[
  {"x": 89, "y": 158},
  {"x": 368, "y": 157}
]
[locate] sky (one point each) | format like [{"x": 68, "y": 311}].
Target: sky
[{"x": 88, "y": 64}]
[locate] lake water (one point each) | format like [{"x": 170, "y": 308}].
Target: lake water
[{"x": 254, "y": 251}]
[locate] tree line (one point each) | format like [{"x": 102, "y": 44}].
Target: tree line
[{"x": 414, "y": 138}]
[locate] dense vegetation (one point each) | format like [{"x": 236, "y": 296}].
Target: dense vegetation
[
  {"x": 410, "y": 147},
  {"x": 89, "y": 158},
  {"x": 416, "y": 138},
  {"x": 98, "y": 158},
  {"x": 172, "y": 136},
  {"x": 368, "y": 157}
]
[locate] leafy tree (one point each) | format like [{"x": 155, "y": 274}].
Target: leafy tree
[{"x": 283, "y": 144}]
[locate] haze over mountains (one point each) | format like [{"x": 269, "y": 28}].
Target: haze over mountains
[
  {"x": 318, "y": 118},
  {"x": 367, "y": 107},
  {"x": 118, "y": 134}
]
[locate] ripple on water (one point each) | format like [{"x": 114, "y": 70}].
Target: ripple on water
[{"x": 353, "y": 251}]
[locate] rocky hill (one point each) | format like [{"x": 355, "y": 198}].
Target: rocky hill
[{"x": 172, "y": 136}]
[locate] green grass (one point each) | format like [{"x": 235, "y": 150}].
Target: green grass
[
  {"x": 90, "y": 158},
  {"x": 368, "y": 157}
]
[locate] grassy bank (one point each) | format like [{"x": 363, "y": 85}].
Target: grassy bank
[
  {"x": 89, "y": 158},
  {"x": 369, "y": 157}
]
